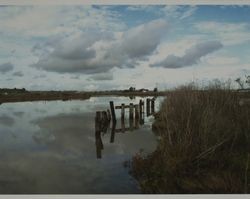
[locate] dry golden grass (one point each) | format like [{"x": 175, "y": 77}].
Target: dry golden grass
[{"x": 204, "y": 146}]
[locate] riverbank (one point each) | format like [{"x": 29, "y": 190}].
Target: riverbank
[
  {"x": 23, "y": 95},
  {"x": 204, "y": 146}
]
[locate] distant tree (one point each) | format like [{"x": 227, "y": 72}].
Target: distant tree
[
  {"x": 155, "y": 89},
  {"x": 240, "y": 82},
  {"x": 132, "y": 88},
  {"x": 248, "y": 80}
]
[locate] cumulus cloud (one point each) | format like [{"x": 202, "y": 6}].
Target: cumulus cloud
[
  {"x": 98, "y": 52},
  {"x": 143, "y": 40},
  {"x": 192, "y": 55},
  {"x": 6, "y": 67},
  {"x": 18, "y": 74}
]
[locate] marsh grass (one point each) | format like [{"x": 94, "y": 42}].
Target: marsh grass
[{"x": 204, "y": 145}]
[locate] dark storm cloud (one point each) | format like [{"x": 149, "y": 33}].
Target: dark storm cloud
[
  {"x": 192, "y": 55},
  {"x": 6, "y": 67},
  {"x": 98, "y": 52},
  {"x": 18, "y": 74}
]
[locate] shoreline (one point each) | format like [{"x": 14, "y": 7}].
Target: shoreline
[{"x": 69, "y": 95}]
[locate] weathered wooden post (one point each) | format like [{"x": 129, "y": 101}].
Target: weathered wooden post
[
  {"x": 137, "y": 116},
  {"x": 131, "y": 116},
  {"x": 123, "y": 117},
  {"x": 131, "y": 111},
  {"x": 112, "y": 111},
  {"x": 141, "y": 109},
  {"x": 148, "y": 106},
  {"x": 152, "y": 106}
]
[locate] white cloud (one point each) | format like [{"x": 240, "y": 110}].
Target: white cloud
[
  {"x": 98, "y": 52},
  {"x": 191, "y": 57},
  {"x": 50, "y": 20},
  {"x": 179, "y": 12},
  {"x": 228, "y": 33},
  {"x": 147, "y": 8},
  {"x": 220, "y": 60}
]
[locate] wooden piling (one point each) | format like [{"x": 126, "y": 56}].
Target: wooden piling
[
  {"x": 131, "y": 116},
  {"x": 112, "y": 111},
  {"x": 152, "y": 106},
  {"x": 148, "y": 107},
  {"x": 137, "y": 116},
  {"x": 123, "y": 117},
  {"x": 140, "y": 106},
  {"x": 131, "y": 111}
]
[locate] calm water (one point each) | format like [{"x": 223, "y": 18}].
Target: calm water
[{"x": 49, "y": 147}]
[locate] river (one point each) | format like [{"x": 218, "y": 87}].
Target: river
[{"x": 50, "y": 148}]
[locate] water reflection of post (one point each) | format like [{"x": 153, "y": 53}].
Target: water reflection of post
[
  {"x": 141, "y": 108},
  {"x": 105, "y": 122},
  {"x": 112, "y": 138},
  {"x": 131, "y": 116},
  {"x": 98, "y": 139},
  {"x": 123, "y": 117}
]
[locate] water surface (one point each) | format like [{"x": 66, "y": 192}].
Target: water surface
[{"x": 49, "y": 147}]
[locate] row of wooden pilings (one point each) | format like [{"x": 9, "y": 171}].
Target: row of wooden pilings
[{"x": 103, "y": 120}]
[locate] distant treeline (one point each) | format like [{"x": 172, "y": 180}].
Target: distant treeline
[{"x": 12, "y": 90}]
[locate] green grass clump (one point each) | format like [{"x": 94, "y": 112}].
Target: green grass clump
[{"x": 204, "y": 145}]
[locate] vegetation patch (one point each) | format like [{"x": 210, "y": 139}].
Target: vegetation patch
[{"x": 204, "y": 145}]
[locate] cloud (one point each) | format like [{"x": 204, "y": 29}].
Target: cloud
[
  {"x": 142, "y": 8},
  {"x": 227, "y": 33},
  {"x": 102, "y": 77},
  {"x": 75, "y": 77},
  {"x": 43, "y": 21},
  {"x": 6, "y": 67},
  {"x": 191, "y": 57},
  {"x": 18, "y": 74},
  {"x": 143, "y": 40},
  {"x": 179, "y": 12},
  {"x": 95, "y": 51}
]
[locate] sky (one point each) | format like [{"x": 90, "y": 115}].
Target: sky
[{"x": 94, "y": 47}]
